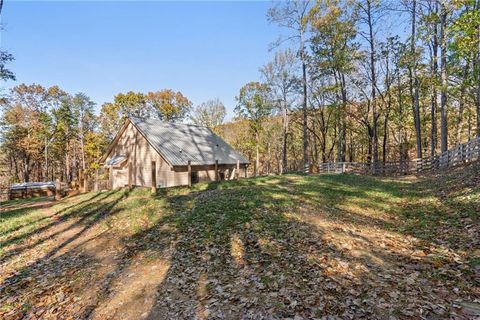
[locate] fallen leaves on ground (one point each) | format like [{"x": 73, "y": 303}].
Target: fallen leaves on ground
[{"x": 289, "y": 247}]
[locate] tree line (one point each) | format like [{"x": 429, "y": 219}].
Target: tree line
[
  {"x": 363, "y": 80},
  {"x": 350, "y": 80},
  {"x": 48, "y": 133}
]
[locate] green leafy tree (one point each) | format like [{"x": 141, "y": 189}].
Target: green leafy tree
[
  {"x": 83, "y": 109},
  {"x": 24, "y": 127},
  {"x": 334, "y": 54},
  {"x": 254, "y": 104},
  {"x": 465, "y": 45}
]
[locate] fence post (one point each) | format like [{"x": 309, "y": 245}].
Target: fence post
[
  {"x": 154, "y": 177},
  {"x": 343, "y": 167},
  {"x": 189, "y": 169},
  {"x": 58, "y": 195},
  {"x": 237, "y": 172}
]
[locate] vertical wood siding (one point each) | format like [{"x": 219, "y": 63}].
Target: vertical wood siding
[{"x": 140, "y": 153}]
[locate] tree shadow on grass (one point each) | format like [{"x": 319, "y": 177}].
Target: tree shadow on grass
[
  {"x": 56, "y": 264},
  {"x": 84, "y": 209},
  {"x": 255, "y": 248},
  {"x": 240, "y": 250}
]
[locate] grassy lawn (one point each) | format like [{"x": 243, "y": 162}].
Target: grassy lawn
[{"x": 270, "y": 247}]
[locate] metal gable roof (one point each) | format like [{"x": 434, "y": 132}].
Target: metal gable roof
[{"x": 178, "y": 143}]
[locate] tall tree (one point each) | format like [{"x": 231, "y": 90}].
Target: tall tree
[
  {"x": 429, "y": 31},
  {"x": 294, "y": 16},
  {"x": 254, "y": 105},
  {"x": 369, "y": 14},
  {"x": 465, "y": 32},
  {"x": 280, "y": 75},
  {"x": 65, "y": 133},
  {"x": 334, "y": 52},
  {"x": 444, "y": 77},
  {"x": 413, "y": 78},
  {"x": 83, "y": 110}
]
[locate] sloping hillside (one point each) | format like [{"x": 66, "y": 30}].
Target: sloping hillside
[{"x": 271, "y": 247}]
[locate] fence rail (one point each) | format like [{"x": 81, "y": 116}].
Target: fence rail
[
  {"x": 458, "y": 155},
  {"x": 380, "y": 168}
]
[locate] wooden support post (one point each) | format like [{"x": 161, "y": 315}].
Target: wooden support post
[
  {"x": 154, "y": 177},
  {"x": 95, "y": 186},
  {"x": 246, "y": 175},
  {"x": 130, "y": 175},
  {"x": 58, "y": 194},
  {"x": 189, "y": 167},
  {"x": 237, "y": 171},
  {"x": 110, "y": 178},
  {"x": 216, "y": 171}
]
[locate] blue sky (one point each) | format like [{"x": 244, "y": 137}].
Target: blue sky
[{"x": 203, "y": 49}]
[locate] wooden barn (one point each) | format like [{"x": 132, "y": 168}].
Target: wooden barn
[{"x": 154, "y": 153}]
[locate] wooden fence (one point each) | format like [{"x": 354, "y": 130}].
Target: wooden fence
[
  {"x": 380, "y": 168},
  {"x": 458, "y": 155}
]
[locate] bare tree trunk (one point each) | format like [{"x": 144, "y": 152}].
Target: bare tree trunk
[
  {"x": 26, "y": 169},
  {"x": 285, "y": 136},
  {"x": 444, "y": 80},
  {"x": 257, "y": 155},
  {"x": 306, "y": 163},
  {"x": 414, "y": 83},
  {"x": 433, "y": 110},
  {"x": 373, "y": 84},
  {"x": 82, "y": 145},
  {"x": 478, "y": 75},
  {"x": 46, "y": 159},
  {"x": 461, "y": 108},
  {"x": 343, "y": 136},
  {"x": 388, "y": 108}
]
